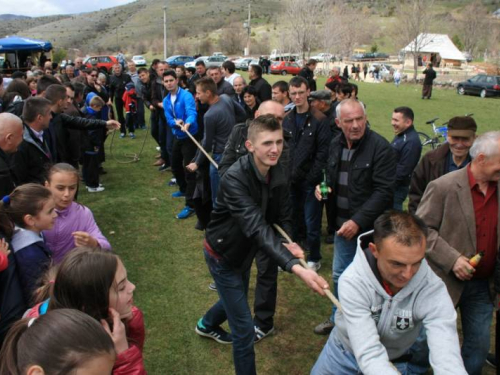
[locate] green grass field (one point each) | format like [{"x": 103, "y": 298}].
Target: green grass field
[{"x": 163, "y": 255}]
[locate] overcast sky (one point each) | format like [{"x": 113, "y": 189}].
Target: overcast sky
[{"x": 37, "y": 8}]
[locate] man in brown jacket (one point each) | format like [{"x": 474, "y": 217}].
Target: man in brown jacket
[
  {"x": 447, "y": 158},
  {"x": 462, "y": 212}
]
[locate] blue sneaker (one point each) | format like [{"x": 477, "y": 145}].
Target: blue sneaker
[
  {"x": 122, "y": 135},
  {"x": 178, "y": 194},
  {"x": 172, "y": 182},
  {"x": 185, "y": 213}
]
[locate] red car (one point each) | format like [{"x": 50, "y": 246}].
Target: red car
[
  {"x": 103, "y": 63},
  {"x": 285, "y": 67}
]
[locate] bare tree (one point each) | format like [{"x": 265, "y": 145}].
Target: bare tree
[
  {"x": 474, "y": 26},
  {"x": 232, "y": 39},
  {"x": 412, "y": 28},
  {"x": 301, "y": 19}
]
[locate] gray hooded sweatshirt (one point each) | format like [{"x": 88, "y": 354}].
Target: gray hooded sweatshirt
[{"x": 378, "y": 328}]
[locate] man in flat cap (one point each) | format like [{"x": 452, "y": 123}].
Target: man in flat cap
[
  {"x": 446, "y": 158},
  {"x": 462, "y": 212},
  {"x": 322, "y": 101}
]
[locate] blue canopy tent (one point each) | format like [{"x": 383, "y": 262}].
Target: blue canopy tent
[
  {"x": 18, "y": 43},
  {"x": 20, "y": 47}
]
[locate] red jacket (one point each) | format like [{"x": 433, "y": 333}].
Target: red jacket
[
  {"x": 4, "y": 261},
  {"x": 130, "y": 361},
  {"x": 130, "y": 97}
]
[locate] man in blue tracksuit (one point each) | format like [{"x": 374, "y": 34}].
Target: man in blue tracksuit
[
  {"x": 180, "y": 112},
  {"x": 408, "y": 148}
]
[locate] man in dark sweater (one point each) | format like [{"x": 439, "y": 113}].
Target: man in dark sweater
[
  {"x": 219, "y": 120},
  {"x": 408, "y": 148},
  {"x": 430, "y": 76},
  {"x": 117, "y": 84},
  {"x": 223, "y": 87},
  {"x": 264, "y": 90}
]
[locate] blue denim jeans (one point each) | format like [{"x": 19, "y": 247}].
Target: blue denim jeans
[
  {"x": 400, "y": 195},
  {"x": 336, "y": 360},
  {"x": 476, "y": 310},
  {"x": 214, "y": 177},
  {"x": 343, "y": 255},
  {"x": 307, "y": 209},
  {"x": 233, "y": 307}
]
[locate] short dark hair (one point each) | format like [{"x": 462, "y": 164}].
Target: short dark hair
[
  {"x": 344, "y": 88},
  {"x": 191, "y": 70},
  {"x": 44, "y": 82},
  {"x": 257, "y": 69},
  {"x": 69, "y": 85},
  {"x": 54, "y": 93},
  {"x": 408, "y": 229},
  {"x": 33, "y": 107},
  {"x": 263, "y": 123},
  {"x": 281, "y": 85},
  {"x": 171, "y": 73},
  {"x": 207, "y": 84},
  {"x": 142, "y": 70},
  {"x": 407, "y": 112},
  {"x": 20, "y": 87},
  {"x": 298, "y": 81},
  {"x": 229, "y": 66},
  {"x": 251, "y": 90},
  {"x": 200, "y": 62},
  {"x": 79, "y": 88},
  {"x": 332, "y": 85}
]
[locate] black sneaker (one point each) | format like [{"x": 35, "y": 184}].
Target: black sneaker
[
  {"x": 217, "y": 334},
  {"x": 164, "y": 168},
  {"x": 261, "y": 334},
  {"x": 491, "y": 360}
]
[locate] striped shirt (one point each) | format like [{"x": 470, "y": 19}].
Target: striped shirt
[{"x": 342, "y": 187}]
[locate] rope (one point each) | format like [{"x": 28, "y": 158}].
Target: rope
[{"x": 135, "y": 157}]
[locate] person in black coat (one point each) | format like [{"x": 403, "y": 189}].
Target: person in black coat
[
  {"x": 264, "y": 90},
  {"x": 430, "y": 76},
  {"x": 308, "y": 73},
  {"x": 117, "y": 84}
]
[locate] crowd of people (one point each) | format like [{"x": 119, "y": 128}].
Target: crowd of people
[{"x": 247, "y": 156}]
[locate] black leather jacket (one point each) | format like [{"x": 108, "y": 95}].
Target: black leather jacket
[
  {"x": 235, "y": 148},
  {"x": 238, "y": 228},
  {"x": 372, "y": 177}
]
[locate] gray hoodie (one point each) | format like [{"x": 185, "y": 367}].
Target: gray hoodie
[{"x": 378, "y": 328}]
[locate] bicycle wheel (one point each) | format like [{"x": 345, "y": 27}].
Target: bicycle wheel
[{"x": 426, "y": 142}]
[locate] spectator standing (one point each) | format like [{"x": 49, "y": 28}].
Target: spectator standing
[
  {"x": 264, "y": 91},
  {"x": 408, "y": 148},
  {"x": 430, "y": 76},
  {"x": 223, "y": 87},
  {"x": 361, "y": 175},
  {"x": 308, "y": 73},
  {"x": 117, "y": 83},
  {"x": 449, "y": 157},
  {"x": 11, "y": 136},
  {"x": 280, "y": 94},
  {"x": 239, "y": 84},
  {"x": 462, "y": 212},
  {"x": 229, "y": 69}
]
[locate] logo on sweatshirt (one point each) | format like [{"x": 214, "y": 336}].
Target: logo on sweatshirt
[
  {"x": 402, "y": 320},
  {"x": 402, "y": 323}
]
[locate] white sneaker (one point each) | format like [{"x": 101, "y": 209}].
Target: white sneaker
[
  {"x": 315, "y": 266},
  {"x": 95, "y": 190},
  {"x": 158, "y": 148}
]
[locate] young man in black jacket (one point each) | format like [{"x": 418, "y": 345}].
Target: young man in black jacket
[
  {"x": 117, "y": 83},
  {"x": 253, "y": 195},
  {"x": 310, "y": 137}
]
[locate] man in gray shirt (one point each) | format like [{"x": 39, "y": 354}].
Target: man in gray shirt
[{"x": 219, "y": 120}]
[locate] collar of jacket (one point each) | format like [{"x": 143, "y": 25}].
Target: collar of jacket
[
  {"x": 406, "y": 131},
  {"x": 439, "y": 153},
  {"x": 343, "y": 140},
  {"x": 276, "y": 172},
  {"x": 29, "y": 137}
]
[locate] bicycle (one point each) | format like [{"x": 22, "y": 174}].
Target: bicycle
[{"x": 439, "y": 137}]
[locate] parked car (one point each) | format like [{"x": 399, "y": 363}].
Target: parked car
[
  {"x": 384, "y": 69},
  {"x": 215, "y": 60},
  {"x": 139, "y": 60},
  {"x": 104, "y": 63},
  {"x": 241, "y": 62},
  {"x": 285, "y": 67},
  {"x": 251, "y": 62},
  {"x": 482, "y": 85},
  {"x": 192, "y": 64},
  {"x": 323, "y": 57},
  {"x": 177, "y": 60}
]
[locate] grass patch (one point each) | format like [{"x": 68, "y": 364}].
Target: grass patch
[{"x": 163, "y": 255}]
